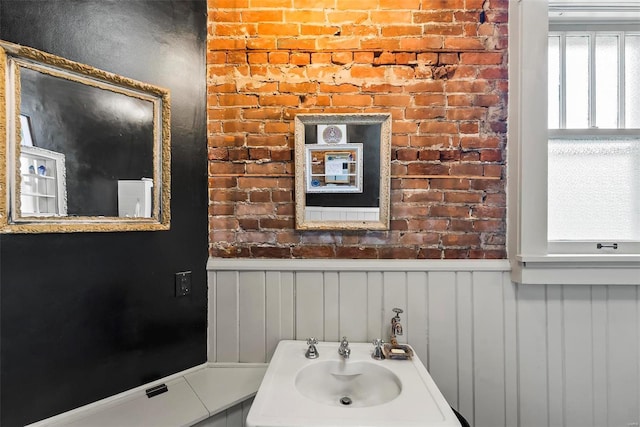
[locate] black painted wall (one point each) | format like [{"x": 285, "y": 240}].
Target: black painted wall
[{"x": 86, "y": 315}]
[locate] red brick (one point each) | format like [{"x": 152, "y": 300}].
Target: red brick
[
  {"x": 264, "y": 15},
  {"x": 429, "y": 100},
  {"x": 424, "y": 168},
  {"x": 233, "y": 100},
  {"x": 303, "y": 15},
  {"x": 352, "y": 100},
  {"x": 438, "y": 127},
  {"x": 449, "y": 211},
  {"x": 397, "y": 252},
  {"x": 462, "y": 197},
  {"x": 223, "y": 223},
  {"x": 444, "y": 30},
  {"x": 432, "y": 16},
  {"x": 485, "y": 58},
  {"x": 465, "y": 43},
  {"x": 421, "y": 43},
  {"x": 356, "y": 252},
  {"x": 229, "y": 196},
  {"x": 248, "y": 224},
  {"x": 430, "y": 141},
  {"x": 407, "y": 155},
  {"x": 430, "y": 253},
  {"x": 270, "y": 252},
  {"x": 467, "y": 239},
  {"x": 342, "y": 57},
  {"x": 422, "y": 196},
  {"x": 401, "y": 30},
  {"x": 442, "y": 4},
  {"x": 298, "y": 58},
  {"x": 348, "y": 16},
  {"x": 313, "y": 251},
  {"x": 421, "y": 239},
  {"x": 423, "y": 113}
]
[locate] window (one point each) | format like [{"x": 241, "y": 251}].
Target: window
[
  {"x": 594, "y": 137},
  {"x": 574, "y": 149}
]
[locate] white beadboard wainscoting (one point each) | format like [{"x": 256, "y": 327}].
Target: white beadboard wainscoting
[{"x": 502, "y": 354}]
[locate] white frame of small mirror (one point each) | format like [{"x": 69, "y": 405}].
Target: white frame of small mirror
[
  {"x": 12, "y": 57},
  {"x": 345, "y": 215}
]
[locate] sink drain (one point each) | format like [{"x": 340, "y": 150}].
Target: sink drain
[{"x": 346, "y": 401}]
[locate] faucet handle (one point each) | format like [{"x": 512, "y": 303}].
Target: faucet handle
[
  {"x": 377, "y": 351},
  {"x": 397, "y": 311},
  {"x": 312, "y": 351},
  {"x": 344, "y": 342}
]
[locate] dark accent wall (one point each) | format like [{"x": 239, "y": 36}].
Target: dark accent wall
[{"x": 86, "y": 315}]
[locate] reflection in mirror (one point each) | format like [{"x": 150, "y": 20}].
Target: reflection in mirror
[
  {"x": 86, "y": 150},
  {"x": 342, "y": 171}
]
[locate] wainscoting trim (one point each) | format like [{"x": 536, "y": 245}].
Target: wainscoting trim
[{"x": 263, "y": 264}]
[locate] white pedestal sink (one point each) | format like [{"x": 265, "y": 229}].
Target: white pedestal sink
[{"x": 358, "y": 391}]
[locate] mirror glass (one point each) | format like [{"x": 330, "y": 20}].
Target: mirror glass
[
  {"x": 342, "y": 171},
  {"x": 86, "y": 150}
]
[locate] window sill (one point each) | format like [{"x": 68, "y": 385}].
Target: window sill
[{"x": 570, "y": 269}]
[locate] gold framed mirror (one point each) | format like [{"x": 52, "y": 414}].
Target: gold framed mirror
[
  {"x": 342, "y": 171},
  {"x": 81, "y": 149}
]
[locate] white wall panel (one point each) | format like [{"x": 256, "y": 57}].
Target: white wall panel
[
  {"x": 599, "y": 353},
  {"x": 416, "y": 323},
  {"x": 353, "y": 306},
  {"x": 227, "y": 312},
  {"x": 510, "y": 351},
  {"x": 555, "y": 368},
  {"x": 623, "y": 355},
  {"x": 252, "y": 316},
  {"x": 577, "y": 359},
  {"x": 503, "y": 354},
  {"x": 488, "y": 349},
  {"x": 464, "y": 310},
  {"x": 532, "y": 356},
  {"x": 274, "y": 307},
  {"x": 330, "y": 306},
  {"x": 374, "y": 299},
  {"x": 442, "y": 360},
  {"x": 309, "y": 300}
]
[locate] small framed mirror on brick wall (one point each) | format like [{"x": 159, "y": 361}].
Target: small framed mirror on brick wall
[{"x": 342, "y": 164}]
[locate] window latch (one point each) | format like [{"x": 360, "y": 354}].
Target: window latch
[{"x": 612, "y": 246}]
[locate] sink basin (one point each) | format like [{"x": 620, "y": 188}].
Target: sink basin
[
  {"x": 359, "y": 391},
  {"x": 340, "y": 383}
]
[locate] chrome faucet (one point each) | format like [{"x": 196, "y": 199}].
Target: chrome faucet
[
  {"x": 344, "y": 349},
  {"x": 396, "y": 327},
  {"x": 312, "y": 351}
]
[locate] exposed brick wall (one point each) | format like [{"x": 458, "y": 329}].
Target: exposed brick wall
[{"x": 439, "y": 67}]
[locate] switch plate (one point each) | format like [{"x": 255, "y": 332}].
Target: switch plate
[{"x": 183, "y": 283}]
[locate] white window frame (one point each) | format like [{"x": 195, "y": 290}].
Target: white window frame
[{"x": 528, "y": 249}]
